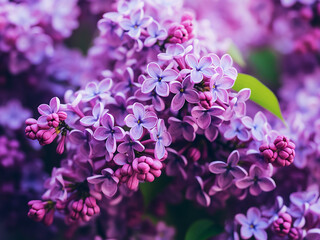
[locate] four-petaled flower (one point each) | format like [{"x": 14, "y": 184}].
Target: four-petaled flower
[
  {"x": 237, "y": 129},
  {"x": 183, "y": 91},
  {"x": 159, "y": 80},
  {"x": 199, "y": 69},
  {"x": 93, "y": 120},
  {"x": 109, "y": 132},
  {"x": 82, "y": 139},
  {"x": 196, "y": 192},
  {"x": 174, "y": 51},
  {"x": 219, "y": 84},
  {"x": 225, "y": 63},
  {"x": 162, "y": 138},
  {"x": 53, "y": 107},
  {"x": 228, "y": 171},
  {"x": 129, "y": 146},
  {"x": 107, "y": 182},
  {"x": 252, "y": 224},
  {"x": 257, "y": 125},
  {"x": 94, "y": 90},
  {"x": 186, "y": 128},
  {"x": 203, "y": 115},
  {"x": 257, "y": 180},
  {"x": 140, "y": 119},
  {"x": 135, "y": 23},
  {"x": 156, "y": 33}
]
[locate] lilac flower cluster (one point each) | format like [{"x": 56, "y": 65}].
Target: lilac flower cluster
[
  {"x": 161, "y": 104},
  {"x": 150, "y": 120},
  {"x": 295, "y": 218}
]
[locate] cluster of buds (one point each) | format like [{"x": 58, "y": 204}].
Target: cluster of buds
[
  {"x": 46, "y": 131},
  {"x": 205, "y": 99},
  {"x": 84, "y": 209},
  {"x": 141, "y": 169},
  {"x": 282, "y": 227},
  {"x": 181, "y": 32},
  {"x": 41, "y": 211},
  {"x": 280, "y": 153}
]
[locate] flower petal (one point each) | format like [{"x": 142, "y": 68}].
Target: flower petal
[
  {"x": 169, "y": 75},
  {"x": 162, "y": 89},
  {"x": 44, "y": 109},
  {"x": 244, "y": 183},
  {"x": 138, "y": 110},
  {"x": 217, "y": 167},
  {"x": 136, "y": 131},
  {"x": 148, "y": 85},
  {"x": 109, "y": 187},
  {"x": 177, "y": 102},
  {"x": 101, "y": 133},
  {"x": 55, "y": 104},
  {"x": 192, "y": 61},
  {"x": 196, "y": 76},
  {"x": 205, "y": 62},
  {"x": 226, "y": 62},
  {"x": 154, "y": 70},
  {"x": 266, "y": 184},
  {"x": 111, "y": 144},
  {"x": 149, "y": 122},
  {"x": 191, "y": 96}
]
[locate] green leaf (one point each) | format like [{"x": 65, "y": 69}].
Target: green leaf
[
  {"x": 260, "y": 94},
  {"x": 202, "y": 230},
  {"x": 151, "y": 190},
  {"x": 236, "y": 55},
  {"x": 265, "y": 63}
]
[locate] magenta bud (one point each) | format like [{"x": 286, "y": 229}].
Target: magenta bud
[
  {"x": 177, "y": 33},
  {"x": 133, "y": 183},
  {"x": 48, "y": 219},
  {"x": 62, "y": 115},
  {"x": 194, "y": 154},
  {"x": 269, "y": 152},
  {"x": 53, "y": 120},
  {"x": 31, "y": 121},
  {"x": 281, "y": 142},
  {"x": 205, "y": 99},
  {"x": 46, "y": 136},
  {"x": 37, "y": 210},
  {"x": 294, "y": 234},
  {"x": 60, "y": 147},
  {"x": 282, "y": 225}
]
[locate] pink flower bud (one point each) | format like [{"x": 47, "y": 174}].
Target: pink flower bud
[
  {"x": 281, "y": 142},
  {"x": 269, "y": 152},
  {"x": 48, "y": 219},
  {"x": 53, "y": 120},
  {"x": 37, "y": 210},
  {"x": 177, "y": 33},
  {"x": 41, "y": 211},
  {"x": 60, "y": 147},
  {"x": 282, "y": 225},
  {"x": 133, "y": 182},
  {"x": 194, "y": 154},
  {"x": 32, "y": 128},
  {"x": 46, "y": 136},
  {"x": 286, "y": 152},
  {"x": 147, "y": 168},
  {"x": 205, "y": 99},
  {"x": 294, "y": 234},
  {"x": 62, "y": 115}
]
